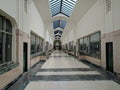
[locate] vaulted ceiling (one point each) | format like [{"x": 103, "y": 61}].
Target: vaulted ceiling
[{"x": 58, "y": 16}]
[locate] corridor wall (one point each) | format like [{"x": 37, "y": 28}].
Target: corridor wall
[{"x": 103, "y": 17}]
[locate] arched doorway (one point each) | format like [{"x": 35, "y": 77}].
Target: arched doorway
[{"x": 57, "y": 45}]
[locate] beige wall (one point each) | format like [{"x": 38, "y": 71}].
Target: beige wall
[
  {"x": 9, "y": 76},
  {"x": 33, "y": 61},
  {"x": 21, "y": 38},
  {"x": 115, "y": 38},
  {"x": 91, "y": 59},
  {"x": 97, "y": 19}
]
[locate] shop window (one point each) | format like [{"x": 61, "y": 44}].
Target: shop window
[
  {"x": 1, "y": 47},
  {"x": 66, "y": 46},
  {"x": 6, "y": 62},
  {"x": 8, "y": 47},
  {"x": 5, "y": 40},
  {"x": 86, "y": 45},
  {"x": 71, "y": 46},
  {"x": 41, "y": 45},
  {"x": 81, "y": 46},
  {"x": 95, "y": 45},
  {"x": 36, "y": 45},
  {"x": 32, "y": 43},
  {"x": 90, "y": 45},
  {"x": 1, "y": 23}
]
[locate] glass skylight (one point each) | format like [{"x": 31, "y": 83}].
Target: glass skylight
[
  {"x": 59, "y": 23},
  {"x": 62, "y": 7}
]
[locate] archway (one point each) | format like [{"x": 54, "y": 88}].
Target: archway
[{"x": 57, "y": 45}]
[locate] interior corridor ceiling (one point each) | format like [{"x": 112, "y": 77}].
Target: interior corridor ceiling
[{"x": 72, "y": 18}]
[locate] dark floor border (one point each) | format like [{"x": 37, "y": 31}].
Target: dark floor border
[
  {"x": 90, "y": 63},
  {"x": 70, "y": 77},
  {"x": 17, "y": 78},
  {"x": 36, "y": 64},
  {"x": 12, "y": 82},
  {"x": 117, "y": 78}
]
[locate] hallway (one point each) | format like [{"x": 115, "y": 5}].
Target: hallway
[
  {"x": 60, "y": 44},
  {"x": 63, "y": 72}
]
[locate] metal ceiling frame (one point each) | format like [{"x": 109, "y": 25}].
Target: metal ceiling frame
[{"x": 58, "y": 7}]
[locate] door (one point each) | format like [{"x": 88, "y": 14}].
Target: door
[
  {"x": 75, "y": 50},
  {"x": 109, "y": 56},
  {"x": 25, "y": 57}
]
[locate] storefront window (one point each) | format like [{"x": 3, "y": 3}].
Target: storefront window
[
  {"x": 81, "y": 46},
  {"x": 5, "y": 40},
  {"x": 1, "y": 23},
  {"x": 32, "y": 43},
  {"x": 86, "y": 45},
  {"x": 95, "y": 45},
  {"x": 90, "y": 45},
  {"x": 8, "y": 48},
  {"x": 36, "y": 45},
  {"x": 1, "y": 47}
]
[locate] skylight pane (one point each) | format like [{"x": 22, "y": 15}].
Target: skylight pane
[
  {"x": 68, "y": 3},
  {"x": 59, "y": 23},
  {"x": 55, "y": 10},
  {"x": 66, "y": 12},
  {"x": 54, "y": 6},
  {"x": 74, "y": 0},
  {"x": 55, "y": 3},
  {"x": 63, "y": 24},
  {"x": 66, "y": 6},
  {"x": 61, "y": 6},
  {"x": 55, "y": 24}
]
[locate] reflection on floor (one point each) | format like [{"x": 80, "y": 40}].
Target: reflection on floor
[
  {"x": 73, "y": 85},
  {"x": 63, "y": 72}
]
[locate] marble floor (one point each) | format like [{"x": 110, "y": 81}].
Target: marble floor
[
  {"x": 64, "y": 72},
  {"x": 73, "y": 85}
]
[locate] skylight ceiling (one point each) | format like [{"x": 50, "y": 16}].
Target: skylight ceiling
[
  {"x": 62, "y": 7},
  {"x": 59, "y": 23}
]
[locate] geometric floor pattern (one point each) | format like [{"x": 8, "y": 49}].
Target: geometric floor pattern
[
  {"x": 73, "y": 85},
  {"x": 63, "y": 72}
]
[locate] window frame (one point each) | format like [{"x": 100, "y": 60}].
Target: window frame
[
  {"x": 63, "y": 6},
  {"x": 5, "y": 43},
  {"x": 92, "y": 50},
  {"x": 38, "y": 42}
]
